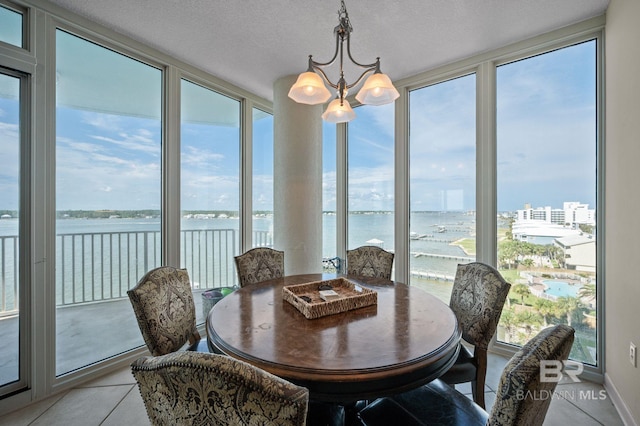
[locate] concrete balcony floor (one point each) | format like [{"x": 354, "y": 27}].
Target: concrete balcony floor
[{"x": 85, "y": 334}]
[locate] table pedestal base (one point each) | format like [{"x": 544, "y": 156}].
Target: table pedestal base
[{"x": 333, "y": 414}]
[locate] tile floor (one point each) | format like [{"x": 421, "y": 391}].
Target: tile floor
[{"x": 114, "y": 400}]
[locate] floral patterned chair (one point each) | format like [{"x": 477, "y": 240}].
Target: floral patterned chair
[
  {"x": 191, "y": 388},
  {"x": 477, "y": 298},
  {"x": 369, "y": 261},
  {"x": 163, "y": 303},
  {"x": 259, "y": 264},
  {"x": 522, "y": 397}
]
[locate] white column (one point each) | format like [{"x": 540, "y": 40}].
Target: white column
[{"x": 297, "y": 181}]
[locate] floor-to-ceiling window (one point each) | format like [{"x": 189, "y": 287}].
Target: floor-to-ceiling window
[
  {"x": 12, "y": 308},
  {"x": 105, "y": 140},
  {"x": 546, "y": 194},
  {"x": 108, "y": 196},
  {"x": 442, "y": 161},
  {"x": 14, "y": 311},
  {"x": 262, "y": 187},
  {"x": 371, "y": 178},
  {"x": 210, "y": 187},
  {"x": 331, "y": 261}
]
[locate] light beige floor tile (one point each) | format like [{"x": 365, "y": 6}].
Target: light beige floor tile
[
  {"x": 84, "y": 407},
  {"x": 489, "y": 400},
  {"x": 28, "y": 414},
  {"x": 563, "y": 413},
  {"x": 592, "y": 399},
  {"x": 130, "y": 411},
  {"x": 495, "y": 366},
  {"x": 120, "y": 377}
]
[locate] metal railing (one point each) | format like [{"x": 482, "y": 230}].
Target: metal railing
[
  {"x": 9, "y": 295},
  {"x": 92, "y": 267}
]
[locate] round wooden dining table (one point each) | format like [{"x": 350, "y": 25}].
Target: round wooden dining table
[{"x": 407, "y": 339}]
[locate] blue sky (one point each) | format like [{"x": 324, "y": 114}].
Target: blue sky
[
  {"x": 546, "y": 148},
  {"x": 9, "y": 148},
  {"x": 546, "y": 139},
  {"x": 546, "y": 129}
]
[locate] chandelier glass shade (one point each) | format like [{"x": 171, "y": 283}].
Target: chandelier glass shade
[
  {"x": 338, "y": 111},
  {"x": 310, "y": 87}
]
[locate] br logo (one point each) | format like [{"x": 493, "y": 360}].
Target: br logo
[{"x": 552, "y": 370}]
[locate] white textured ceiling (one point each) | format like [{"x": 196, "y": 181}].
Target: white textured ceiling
[{"x": 252, "y": 43}]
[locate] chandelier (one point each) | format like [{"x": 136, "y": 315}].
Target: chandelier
[{"x": 310, "y": 87}]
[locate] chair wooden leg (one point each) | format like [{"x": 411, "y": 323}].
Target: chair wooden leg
[{"x": 477, "y": 385}]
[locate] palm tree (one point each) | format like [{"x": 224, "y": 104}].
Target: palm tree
[
  {"x": 528, "y": 262},
  {"x": 507, "y": 253},
  {"x": 567, "y": 306},
  {"x": 527, "y": 320},
  {"x": 545, "y": 308},
  {"x": 521, "y": 290},
  {"x": 588, "y": 291},
  {"x": 508, "y": 321}
]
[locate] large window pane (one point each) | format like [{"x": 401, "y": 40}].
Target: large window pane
[
  {"x": 442, "y": 182},
  {"x": 262, "y": 189},
  {"x": 371, "y": 178},
  {"x": 330, "y": 261},
  {"x": 11, "y": 26},
  {"x": 547, "y": 194},
  {"x": 9, "y": 228},
  {"x": 108, "y": 197},
  {"x": 210, "y": 188}
]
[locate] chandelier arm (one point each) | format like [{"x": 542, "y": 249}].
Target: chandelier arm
[
  {"x": 324, "y": 76},
  {"x": 335, "y": 56},
  {"x": 373, "y": 65},
  {"x": 373, "y": 68}
]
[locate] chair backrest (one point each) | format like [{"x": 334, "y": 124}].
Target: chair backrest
[
  {"x": 259, "y": 264},
  {"x": 522, "y": 397},
  {"x": 369, "y": 261},
  {"x": 163, "y": 303},
  {"x": 196, "y": 388},
  {"x": 477, "y": 299}
]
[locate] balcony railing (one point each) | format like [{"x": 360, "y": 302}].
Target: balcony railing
[
  {"x": 9, "y": 274},
  {"x": 93, "y": 267},
  {"x": 101, "y": 266}
]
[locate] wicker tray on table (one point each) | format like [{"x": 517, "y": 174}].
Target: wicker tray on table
[{"x": 350, "y": 295}]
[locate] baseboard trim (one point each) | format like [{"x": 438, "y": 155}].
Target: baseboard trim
[{"x": 618, "y": 402}]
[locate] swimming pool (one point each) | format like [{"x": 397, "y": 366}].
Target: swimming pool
[{"x": 561, "y": 288}]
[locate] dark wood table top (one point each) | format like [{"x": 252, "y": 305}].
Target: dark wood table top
[{"x": 409, "y": 338}]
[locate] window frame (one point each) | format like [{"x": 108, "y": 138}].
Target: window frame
[
  {"x": 37, "y": 59},
  {"x": 594, "y": 373},
  {"x": 484, "y": 66}
]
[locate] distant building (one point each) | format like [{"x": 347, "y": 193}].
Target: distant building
[
  {"x": 579, "y": 252},
  {"x": 540, "y": 232},
  {"x": 543, "y": 225},
  {"x": 572, "y": 213}
]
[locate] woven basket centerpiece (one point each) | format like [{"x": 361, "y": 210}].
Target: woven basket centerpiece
[{"x": 321, "y": 298}]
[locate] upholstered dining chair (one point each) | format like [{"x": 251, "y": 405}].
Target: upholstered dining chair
[
  {"x": 369, "y": 261},
  {"x": 477, "y": 298},
  {"x": 191, "y": 388},
  {"x": 522, "y": 397},
  {"x": 163, "y": 303},
  {"x": 259, "y": 264}
]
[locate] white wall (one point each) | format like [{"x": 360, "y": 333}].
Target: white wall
[{"x": 622, "y": 242}]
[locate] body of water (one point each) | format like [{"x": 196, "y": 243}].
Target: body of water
[
  {"x": 112, "y": 262},
  {"x": 432, "y": 233}
]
